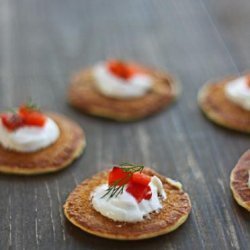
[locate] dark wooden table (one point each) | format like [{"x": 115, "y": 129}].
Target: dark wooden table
[{"x": 42, "y": 42}]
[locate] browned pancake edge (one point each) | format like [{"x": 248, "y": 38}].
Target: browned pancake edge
[
  {"x": 239, "y": 181},
  {"x": 219, "y": 109},
  {"x": 78, "y": 209},
  {"x": 59, "y": 155},
  {"x": 83, "y": 95}
]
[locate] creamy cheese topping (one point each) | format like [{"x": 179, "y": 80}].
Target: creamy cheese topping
[
  {"x": 238, "y": 92},
  {"x": 174, "y": 183},
  {"x": 125, "y": 207},
  {"x": 110, "y": 85},
  {"x": 29, "y": 138}
]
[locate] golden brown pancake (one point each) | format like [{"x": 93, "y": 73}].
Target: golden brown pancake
[
  {"x": 68, "y": 147},
  {"x": 239, "y": 181},
  {"x": 220, "y": 109},
  {"x": 78, "y": 209},
  {"x": 83, "y": 95}
]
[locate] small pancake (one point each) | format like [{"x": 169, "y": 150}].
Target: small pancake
[
  {"x": 78, "y": 209},
  {"x": 239, "y": 181},
  {"x": 83, "y": 95},
  {"x": 218, "y": 108},
  {"x": 68, "y": 147}
]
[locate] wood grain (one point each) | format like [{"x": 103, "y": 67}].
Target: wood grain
[{"x": 42, "y": 43}]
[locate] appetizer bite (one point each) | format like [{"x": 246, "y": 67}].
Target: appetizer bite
[
  {"x": 129, "y": 202},
  {"x": 121, "y": 91},
  {"x": 33, "y": 142},
  {"x": 240, "y": 181},
  {"x": 227, "y": 102}
]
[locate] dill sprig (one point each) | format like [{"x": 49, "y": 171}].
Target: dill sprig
[
  {"x": 31, "y": 105},
  {"x": 130, "y": 167},
  {"x": 115, "y": 189}
]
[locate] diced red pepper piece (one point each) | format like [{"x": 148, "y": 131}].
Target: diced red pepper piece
[
  {"x": 140, "y": 178},
  {"x": 118, "y": 68},
  {"x": 148, "y": 193},
  {"x": 12, "y": 121},
  {"x": 124, "y": 70},
  {"x": 24, "y": 110},
  {"x": 31, "y": 116},
  {"x": 139, "y": 191},
  {"x": 34, "y": 118},
  {"x": 118, "y": 177}
]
